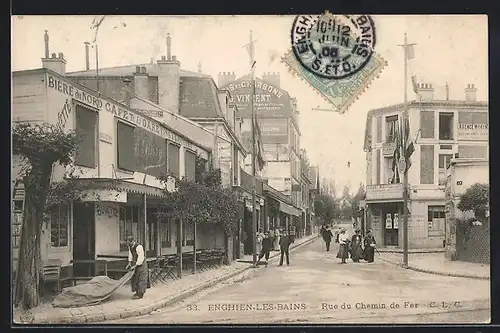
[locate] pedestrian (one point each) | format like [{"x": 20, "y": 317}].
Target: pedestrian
[
  {"x": 356, "y": 249},
  {"x": 284, "y": 248},
  {"x": 266, "y": 248},
  {"x": 369, "y": 243},
  {"x": 259, "y": 237},
  {"x": 271, "y": 238},
  {"x": 327, "y": 237},
  {"x": 277, "y": 236},
  {"x": 136, "y": 261},
  {"x": 344, "y": 246}
]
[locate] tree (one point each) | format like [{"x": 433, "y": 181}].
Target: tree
[
  {"x": 40, "y": 147},
  {"x": 476, "y": 199},
  {"x": 203, "y": 201},
  {"x": 325, "y": 207}
]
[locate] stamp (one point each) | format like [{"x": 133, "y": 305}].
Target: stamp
[{"x": 335, "y": 55}]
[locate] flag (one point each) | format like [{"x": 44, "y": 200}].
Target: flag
[
  {"x": 395, "y": 158},
  {"x": 410, "y": 147},
  {"x": 259, "y": 146},
  {"x": 410, "y": 52}
]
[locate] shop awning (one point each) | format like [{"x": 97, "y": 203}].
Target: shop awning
[
  {"x": 104, "y": 189},
  {"x": 285, "y": 208}
]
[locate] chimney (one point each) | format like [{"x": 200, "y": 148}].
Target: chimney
[
  {"x": 126, "y": 91},
  {"x": 272, "y": 79},
  {"x": 225, "y": 78},
  {"x": 169, "y": 80},
  {"x": 55, "y": 63},
  {"x": 425, "y": 91},
  {"x": 46, "y": 39},
  {"x": 141, "y": 83},
  {"x": 470, "y": 93},
  {"x": 87, "y": 56},
  {"x": 169, "y": 47}
]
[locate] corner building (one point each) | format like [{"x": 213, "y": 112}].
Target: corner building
[{"x": 441, "y": 130}]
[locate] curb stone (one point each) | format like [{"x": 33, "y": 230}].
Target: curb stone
[
  {"x": 144, "y": 310},
  {"x": 428, "y": 271}
]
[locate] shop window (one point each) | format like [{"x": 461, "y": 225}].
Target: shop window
[
  {"x": 125, "y": 146},
  {"x": 190, "y": 165},
  {"x": 444, "y": 163},
  {"x": 86, "y": 134},
  {"x": 436, "y": 220},
  {"x": 445, "y": 126},
  {"x": 165, "y": 230},
  {"x": 391, "y": 128},
  {"x": 173, "y": 160},
  {"x": 59, "y": 226},
  {"x": 129, "y": 225}
]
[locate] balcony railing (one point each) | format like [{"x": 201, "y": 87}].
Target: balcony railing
[
  {"x": 384, "y": 192},
  {"x": 388, "y": 148},
  {"x": 445, "y": 136}
]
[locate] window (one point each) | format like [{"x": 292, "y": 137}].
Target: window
[
  {"x": 435, "y": 219},
  {"x": 379, "y": 129},
  {"x": 388, "y": 168},
  {"x": 391, "y": 128},
  {"x": 173, "y": 160},
  {"x": 129, "y": 224},
  {"x": 86, "y": 134},
  {"x": 445, "y": 126},
  {"x": 125, "y": 146},
  {"x": 165, "y": 230},
  {"x": 426, "y": 164},
  {"x": 444, "y": 163},
  {"x": 190, "y": 165},
  {"x": 59, "y": 223},
  {"x": 427, "y": 124}
]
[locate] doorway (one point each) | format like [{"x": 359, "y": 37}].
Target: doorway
[
  {"x": 391, "y": 219},
  {"x": 83, "y": 237}
]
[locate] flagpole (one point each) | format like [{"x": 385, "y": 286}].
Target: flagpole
[
  {"x": 254, "y": 211},
  {"x": 405, "y": 171}
]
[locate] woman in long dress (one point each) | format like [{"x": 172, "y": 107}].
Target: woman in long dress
[
  {"x": 356, "y": 249},
  {"x": 344, "y": 246},
  {"x": 369, "y": 243}
]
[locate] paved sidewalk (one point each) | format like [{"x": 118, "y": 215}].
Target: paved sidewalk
[
  {"x": 436, "y": 263},
  {"x": 120, "y": 304}
]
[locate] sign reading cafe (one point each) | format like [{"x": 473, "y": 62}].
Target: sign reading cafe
[{"x": 101, "y": 104}]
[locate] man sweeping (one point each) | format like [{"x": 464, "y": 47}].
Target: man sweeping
[{"x": 136, "y": 261}]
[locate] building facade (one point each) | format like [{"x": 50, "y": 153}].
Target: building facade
[{"x": 440, "y": 130}]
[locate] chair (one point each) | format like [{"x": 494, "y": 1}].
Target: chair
[
  {"x": 52, "y": 273},
  {"x": 168, "y": 268}
]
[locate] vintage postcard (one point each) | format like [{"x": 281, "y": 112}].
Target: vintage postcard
[{"x": 310, "y": 169}]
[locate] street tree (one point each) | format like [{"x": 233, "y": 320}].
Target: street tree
[
  {"x": 39, "y": 147},
  {"x": 476, "y": 199}
]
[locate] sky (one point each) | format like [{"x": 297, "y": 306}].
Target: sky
[{"x": 449, "y": 49}]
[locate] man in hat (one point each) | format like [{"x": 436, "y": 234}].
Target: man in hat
[
  {"x": 285, "y": 242},
  {"x": 137, "y": 262},
  {"x": 327, "y": 237}
]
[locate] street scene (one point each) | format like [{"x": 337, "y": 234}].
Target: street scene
[{"x": 334, "y": 171}]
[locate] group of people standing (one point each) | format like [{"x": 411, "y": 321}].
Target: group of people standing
[
  {"x": 274, "y": 240},
  {"x": 356, "y": 246}
]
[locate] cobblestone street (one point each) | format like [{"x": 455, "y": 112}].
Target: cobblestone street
[{"x": 316, "y": 288}]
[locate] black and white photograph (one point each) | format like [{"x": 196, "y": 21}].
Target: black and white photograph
[{"x": 273, "y": 169}]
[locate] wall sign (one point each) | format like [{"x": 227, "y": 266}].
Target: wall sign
[{"x": 117, "y": 110}]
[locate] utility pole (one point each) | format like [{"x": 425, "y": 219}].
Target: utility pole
[
  {"x": 250, "y": 48},
  {"x": 404, "y": 142},
  {"x": 96, "y": 25}
]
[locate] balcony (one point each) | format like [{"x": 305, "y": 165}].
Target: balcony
[{"x": 384, "y": 192}]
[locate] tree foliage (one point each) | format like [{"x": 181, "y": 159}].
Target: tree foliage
[
  {"x": 39, "y": 146},
  {"x": 476, "y": 199},
  {"x": 325, "y": 207},
  {"x": 203, "y": 201}
]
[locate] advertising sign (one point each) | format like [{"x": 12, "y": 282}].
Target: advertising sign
[
  {"x": 269, "y": 101},
  {"x": 472, "y": 126},
  {"x": 396, "y": 220},
  {"x": 274, "y": 130},
  {"x": 388, "y": 221}
]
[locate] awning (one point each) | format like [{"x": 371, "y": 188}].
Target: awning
[
  {"x": 114, "y": 186},
  {"x": 285, "y": 208}
]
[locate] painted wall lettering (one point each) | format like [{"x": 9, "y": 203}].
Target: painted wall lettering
[
  {"x": 103, "y": 209},
  {"x": 63, "y": 115},
  {"x": 101, "y": 104}
]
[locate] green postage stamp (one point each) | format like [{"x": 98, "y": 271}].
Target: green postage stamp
[{"x": 335, "y": 55}]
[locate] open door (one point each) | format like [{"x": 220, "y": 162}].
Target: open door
[{"x": 83, "y": 237}]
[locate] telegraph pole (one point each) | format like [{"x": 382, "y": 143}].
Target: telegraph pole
[{"x": 254, "y": 211}]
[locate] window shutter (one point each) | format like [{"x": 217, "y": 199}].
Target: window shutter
[
  {"x": 125, "y": 147},
  {"x": 86, "y": 128},
  {"x": 379, "y": 129},
  {"x": 173, "y": 160},
  {"x": 190, "y": 165},
  {"x": 427, "y": 124},
  {"x": 426, "y": 164}
]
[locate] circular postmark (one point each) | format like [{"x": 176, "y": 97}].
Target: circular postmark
[{"x": 333, "y": 47}]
